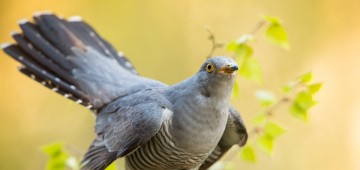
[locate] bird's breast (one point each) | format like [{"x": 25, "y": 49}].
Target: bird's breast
[{"x": 198, "y": 124}]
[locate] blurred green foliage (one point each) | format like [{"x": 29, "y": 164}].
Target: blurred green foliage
[
  {"x": 300, "y": 100},
  {"x": 276, "y": 33},
  {"x": 57, "y": 156}
]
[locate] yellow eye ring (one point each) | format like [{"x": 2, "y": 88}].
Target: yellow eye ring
[{"x": 210, "y": 67}]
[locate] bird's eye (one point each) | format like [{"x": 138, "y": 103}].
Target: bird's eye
[{"x": 210, "y": 67}]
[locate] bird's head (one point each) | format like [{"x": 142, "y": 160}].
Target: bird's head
[
  {"x": 218, "y": 74},
  {"x": 219, "y": 66}
]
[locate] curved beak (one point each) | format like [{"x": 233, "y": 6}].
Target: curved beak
[{"x": 228, "y": 69}]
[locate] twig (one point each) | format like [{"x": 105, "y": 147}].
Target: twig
[
  {"x": 215, "y": 44},
  {"x": 257, "y": 27},
  {"x": 277, "y": 105}
]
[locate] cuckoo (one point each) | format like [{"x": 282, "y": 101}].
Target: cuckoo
[{"x": 154, "y": 126}]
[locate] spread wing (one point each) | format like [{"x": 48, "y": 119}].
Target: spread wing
[
  {"x": 124, "y": 125},
  {"x": 234, "y": 134},
  {"x": 69, "y": 57}
]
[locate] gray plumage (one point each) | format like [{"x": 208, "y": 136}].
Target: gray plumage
[{"x": 186, "y": 126}]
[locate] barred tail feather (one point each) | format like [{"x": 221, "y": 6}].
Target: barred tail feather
[
  {"x": 31, "y": 69},
  {"x": 39, "y": 57},
  {"x": 55, "y": 50},
  {"x": 32, "y": 33}
]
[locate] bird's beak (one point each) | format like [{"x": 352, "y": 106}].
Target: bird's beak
[{"x": 228, "y": 69}]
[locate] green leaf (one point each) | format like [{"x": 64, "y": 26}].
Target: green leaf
[
  {"x": 270, "y": 132},
  {"x": 248, "y": 154},
  {"x": 276, "y": 33},
  {"x": 251, "y": 70},
  {"x": 272, "y": 20},
  {"x": 288, "y": 87},
  {"x": 57, "y": 156},
  {"x": 273, "y": 130},
  {"x": 314, "y": 88},
  {"x": 305, "y": 100},
  {"x": 302, "y": 103},
  {"x": 112, "y": 166},
  {"x": 266, "y": 98},
  {"x": 240, "y": 47},
  {"x": 298, "y": 112},
  {"x": 242, "y": 51},
  {"x": 305, "y": 78},
  {"x": 232, "y": 46},
  {"x": 236, "y": 90},
  {"x": 266, "y": 143}
]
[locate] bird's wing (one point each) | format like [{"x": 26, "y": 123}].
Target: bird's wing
[
  {"x": 69, "y": 57},
  {"x": 234, "y": 134},
  {"x": 124, "y": 125}
]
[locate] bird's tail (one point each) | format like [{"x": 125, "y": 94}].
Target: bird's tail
[{"x": 47, "y": 49}]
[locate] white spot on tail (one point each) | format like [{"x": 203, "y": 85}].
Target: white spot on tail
[
  {"x": 39, "y": 13},
  {"x": 12, "y": 33},
  {"x": 75, "y": 19},
  {"x": 57, "y": 79},
  {"x": 30, "y": 46},
  {"x": 79, "y": 101},
  {"x": 120, "y": 54},
  {"x": 128, "y": 64},
  {"x": 107, "y": 52},
  {"x": 47, "y": 12},
  {"x": 92, "y": 33},
  {"x": 89, "y": 106},
  {"x": 43, "y": 72},
  {"x": 21, "y": 58},
  {"x": 21, "y": 67},
  {"x": 5, "y": 45},
  {"x": 67, "y": 95},
  {"x": 32, "y": 76},
  {"x": 55, "y": 89},
  {"x": 72, "y": 87},
  {"x": 43, "y": 83},
  {"x": 23, "y": 21}
]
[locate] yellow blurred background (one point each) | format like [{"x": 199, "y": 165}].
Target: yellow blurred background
[{"x": 167, "y": 40}]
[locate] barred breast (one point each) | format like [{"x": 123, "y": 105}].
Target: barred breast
[{"x": 161, "y": 153}]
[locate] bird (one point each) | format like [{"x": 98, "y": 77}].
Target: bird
[{"x": 189, "y": 125}]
